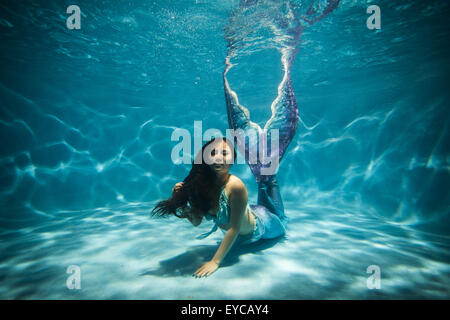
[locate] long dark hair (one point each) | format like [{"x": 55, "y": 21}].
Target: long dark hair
[{"x": 199, "y": 192}]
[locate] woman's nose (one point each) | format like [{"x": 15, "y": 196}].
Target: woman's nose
[{"x": 219, "y": 159}]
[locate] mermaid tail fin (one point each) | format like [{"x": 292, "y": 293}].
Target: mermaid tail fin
[
  {"x": 265, "y": 147},
  {"x": 239, "y": 120},
  {"x": 284, "y": 109},
  {"x": 287, "y": 25},
  {"x": 282, "y": 125},
  {"x": 238, "y": 115}
]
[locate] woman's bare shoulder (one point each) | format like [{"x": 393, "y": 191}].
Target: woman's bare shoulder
[
  {"x": 236, "y": 186},
  {"x": 235, "y": 182}
]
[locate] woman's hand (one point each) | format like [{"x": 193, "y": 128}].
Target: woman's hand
[
  {"x": 177, "y": 186},
  {"x": 206, "y": 269}
]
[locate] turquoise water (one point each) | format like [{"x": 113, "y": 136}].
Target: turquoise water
[{"x": 86, "y": 120}]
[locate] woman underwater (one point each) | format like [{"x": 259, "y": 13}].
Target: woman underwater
[{"x": 211, "y": 192}]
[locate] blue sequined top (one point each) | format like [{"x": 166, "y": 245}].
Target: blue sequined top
[{"x": 223, "y": 216}]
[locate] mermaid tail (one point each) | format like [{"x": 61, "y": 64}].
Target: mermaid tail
[
  {"x": 266, "y": 147},
  {"x": 282, "y": 124}
]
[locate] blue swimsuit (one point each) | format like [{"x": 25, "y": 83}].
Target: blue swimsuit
[{"x": 268, "y": 225}]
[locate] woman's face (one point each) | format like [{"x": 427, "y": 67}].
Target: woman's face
[{"x": 221, "y": 157}]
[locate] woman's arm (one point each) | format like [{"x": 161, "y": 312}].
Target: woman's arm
[{"x": 238, "y": 204}]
